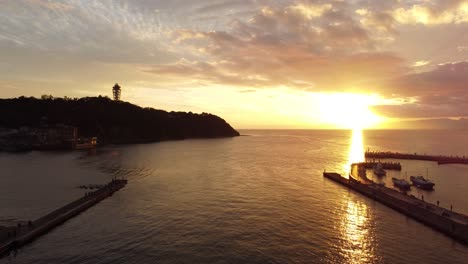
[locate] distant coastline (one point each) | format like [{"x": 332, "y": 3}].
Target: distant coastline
[{"x": 25, "y": 122}]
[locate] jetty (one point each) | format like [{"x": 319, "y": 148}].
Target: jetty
[
  {"x": 12, "y": 238},
  {"x": 440, "y": 159},
  {"x": 370, "y": 164},
  {"x": 453, "y": 224}
]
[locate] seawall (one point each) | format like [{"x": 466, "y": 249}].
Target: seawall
[
  {"x": 440, "y": 159},
  {"x": 384, "y": 165},
  {"x": 22, "y": 234}
]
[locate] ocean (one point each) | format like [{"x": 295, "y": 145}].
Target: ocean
[{"x": 258, "y": 198}]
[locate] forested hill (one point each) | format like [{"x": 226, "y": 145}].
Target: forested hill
[{"x": 112, "y": 121}]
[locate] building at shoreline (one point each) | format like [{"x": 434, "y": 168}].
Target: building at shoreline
[{"x": 44, "y": 137}]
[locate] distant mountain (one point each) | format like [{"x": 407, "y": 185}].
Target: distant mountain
[
  {"x": 112, "y": 121},
  {"x": 439, "y": 123}
]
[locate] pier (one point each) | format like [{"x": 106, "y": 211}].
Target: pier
[
  {"x": 385, "y": 165},
  {"x": 440, "y": 159},
  {"x": 454, "y": 225},
  {"x": 12, "y": 238}
]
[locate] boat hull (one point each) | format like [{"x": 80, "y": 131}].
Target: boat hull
[{"x": 422, "y": 183}]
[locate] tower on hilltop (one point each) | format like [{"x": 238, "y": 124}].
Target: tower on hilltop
[{"x": 116, "y": 91}]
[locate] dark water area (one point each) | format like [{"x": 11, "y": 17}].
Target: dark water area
[{"x": 253, "y": 199}]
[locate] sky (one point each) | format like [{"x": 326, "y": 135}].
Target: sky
[{"x": 255, "y": 63}]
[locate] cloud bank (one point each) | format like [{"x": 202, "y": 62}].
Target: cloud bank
[{"x": 357, "y": 46}]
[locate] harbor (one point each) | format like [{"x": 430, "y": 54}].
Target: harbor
[
  {"x": 168, "y": 202},
  {"x": 453, "y": 224},
  {"x": 14, "y": 237}
]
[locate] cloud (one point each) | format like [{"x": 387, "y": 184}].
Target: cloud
[
  {"x": 52, "y": 5},
  {"x": 311, "y": 10},
  {"x": 380, "y": 21},
  {"x": 448, "y": 79},
  {"x": 441, "y": 92},
  {"x": 421, "y": 63},
  {"x": 98, "y": 30},
  {"x": 452, "y": 107},
  {"x": 433, "y": 12},
  {"x": 221, "y": 6},
  {"x": 315, "y": 47}
]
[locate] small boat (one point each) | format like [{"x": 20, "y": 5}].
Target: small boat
[
  {"x": 422, "y": 183},
  {"x": 85, "y": 143},
  {"x": 378, "y": 170},
  {"x": 401, "y": 183}
]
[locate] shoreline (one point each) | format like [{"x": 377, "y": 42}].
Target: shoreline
[{"x": 134, "y": 142}]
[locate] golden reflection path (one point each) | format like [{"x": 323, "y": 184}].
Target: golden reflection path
[
  {"x": 358, "y": 234},
  {"x": 358, "y": 243},
  {"x": 356, "y": 150}
]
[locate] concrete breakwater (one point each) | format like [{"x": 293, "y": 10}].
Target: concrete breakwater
[
  {"x": 440, "y": 159},
  {"x": 12, "y": 238},
  {"x": 384, "y": 165},
  {"x": 446, "y": 221}
]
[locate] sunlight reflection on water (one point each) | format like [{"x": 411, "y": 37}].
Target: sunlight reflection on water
[
  {"x": 356, "y": 150},
  {"x": 358, "y": 236},
  {"x": 356, "y": 227}
]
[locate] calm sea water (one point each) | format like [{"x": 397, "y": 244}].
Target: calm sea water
[{"x": 252, "y": 199}]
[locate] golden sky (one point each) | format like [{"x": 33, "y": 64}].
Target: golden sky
[{"x": 256, "y": 63}]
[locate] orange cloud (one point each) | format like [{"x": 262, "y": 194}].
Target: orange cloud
[
  {"x": 279, "y": 47},
  {"x": 433, "y": 12},
  {"x": 441, "y": 92}
]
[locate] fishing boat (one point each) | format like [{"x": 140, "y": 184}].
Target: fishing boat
[
  {"x": 401, "y": 183},
  {"x": 378, "y": 170},
  {"x": 422, "y": 183}
]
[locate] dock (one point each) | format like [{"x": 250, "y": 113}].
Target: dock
[
  {"x": 12, "y": 238},
  {"x": 454, "y": 225},
  {"x": 440, "y": 159},
  {"x": 370, "y": 164}
]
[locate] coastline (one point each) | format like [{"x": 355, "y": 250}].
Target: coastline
[
  {"x": 50, "y": 124},
  {"x": 118, "y": 143}
]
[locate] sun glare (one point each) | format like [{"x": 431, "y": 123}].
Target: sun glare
[
  {"x": 356, "y": 149},
  {"x": 349, "y": 111}
]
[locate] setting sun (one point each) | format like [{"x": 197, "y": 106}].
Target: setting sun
[
  {"x": 350, "y": 111},
  {"x": 356, "y": 149}
]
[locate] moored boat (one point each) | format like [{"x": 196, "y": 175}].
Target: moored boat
[
  {"x": 422, "y": 183},
  {"x": 378, "y": 170},
  {"x": 401, "y": 183}
]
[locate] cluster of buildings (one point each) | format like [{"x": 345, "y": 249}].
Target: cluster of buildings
[
  {"x": 48, "y": 137},
  {"x": 44, "y": 137}
]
